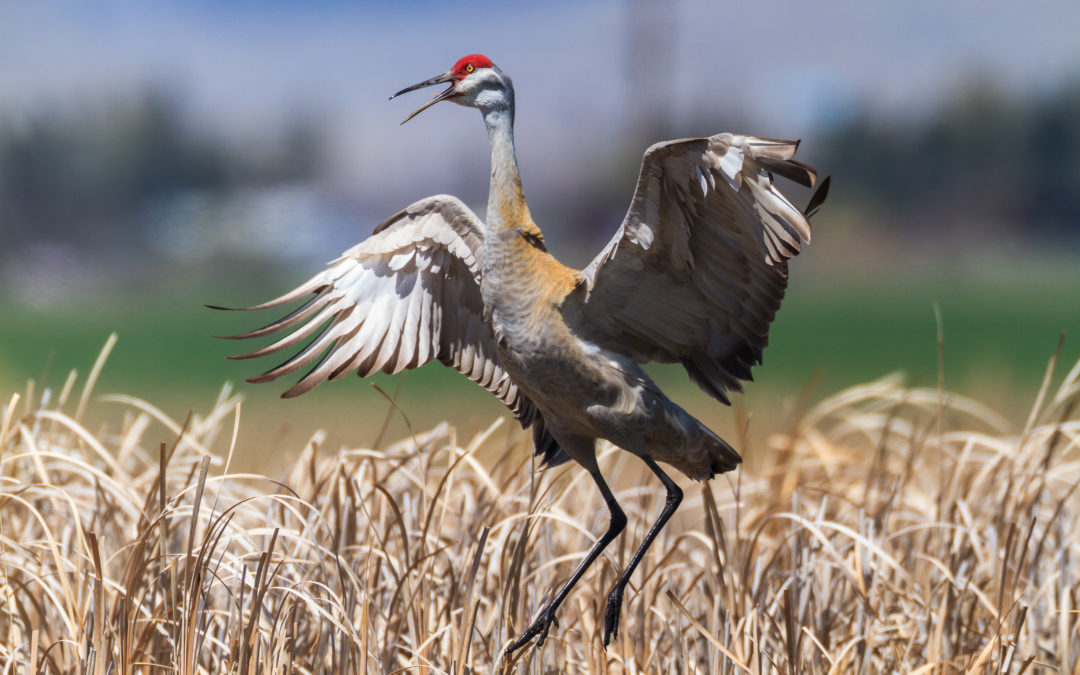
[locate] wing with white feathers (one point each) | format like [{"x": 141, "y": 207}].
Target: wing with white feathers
[
  {"x": 405, "y": 296},
  {"x": 698, "y": 268}
]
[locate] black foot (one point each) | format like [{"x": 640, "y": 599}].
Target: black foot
[
  {"x": 611, "y": 615},
  {"x": 540, "y": 627}
]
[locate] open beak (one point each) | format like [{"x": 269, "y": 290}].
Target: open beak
[{"x": 438, "y": 79}]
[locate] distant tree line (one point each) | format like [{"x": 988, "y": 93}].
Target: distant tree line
[
  {"x": 87, "y": 178},
  {"x": 984, "y": 160}
]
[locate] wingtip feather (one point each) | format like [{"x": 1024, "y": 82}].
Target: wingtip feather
[{"x": 818, "y": 198}]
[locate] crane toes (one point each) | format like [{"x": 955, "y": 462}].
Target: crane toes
[
  {"x": 611, "y": 614},
  {"x": 539, "y": 628}
]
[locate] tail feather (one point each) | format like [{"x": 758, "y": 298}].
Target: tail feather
[
  {"x": 722, "y": 457},
  {"x": 547, "y": 448}
]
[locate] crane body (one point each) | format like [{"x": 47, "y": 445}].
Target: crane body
[{"x": 694, "y": 275}]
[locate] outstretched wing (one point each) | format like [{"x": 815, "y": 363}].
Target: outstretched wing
[
  {"x": 408, "y": 294},
  {"x": 698, "y": 268}
]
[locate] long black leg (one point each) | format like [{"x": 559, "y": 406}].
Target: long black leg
[
  {"x": 614, "y": 602},
  {"x": 547, "y": 615}
]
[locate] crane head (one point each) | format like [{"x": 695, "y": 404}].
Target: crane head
[{"x": 474, "y": 81}]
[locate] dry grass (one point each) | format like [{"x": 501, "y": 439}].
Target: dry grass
[{"x": 889, "y": 529}]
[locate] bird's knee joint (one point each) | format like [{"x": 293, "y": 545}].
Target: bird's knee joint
[
  {"x": 674, "y": 496},
  {"x": 617, "y": 523}
]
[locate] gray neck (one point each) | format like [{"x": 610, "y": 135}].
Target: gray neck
[{"x": 506, "y": 199}]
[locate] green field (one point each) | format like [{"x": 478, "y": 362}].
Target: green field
[{"x": 999, "y": 332}]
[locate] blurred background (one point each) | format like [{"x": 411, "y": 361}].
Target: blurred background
[{"x": 158, "y": 156}]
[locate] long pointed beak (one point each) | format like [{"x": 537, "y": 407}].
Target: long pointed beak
[{"x": 438, "y": 79}]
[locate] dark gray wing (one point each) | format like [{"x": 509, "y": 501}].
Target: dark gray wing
[{"x": 698, "y": 268}]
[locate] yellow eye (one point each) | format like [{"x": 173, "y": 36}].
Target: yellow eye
[{"x": 469, "y": 68}]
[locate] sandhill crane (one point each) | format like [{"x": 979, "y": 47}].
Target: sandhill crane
[{"x": 694, "y": 275}]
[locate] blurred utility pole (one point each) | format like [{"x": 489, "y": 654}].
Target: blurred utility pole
[{"x": 649, "y": 66}]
